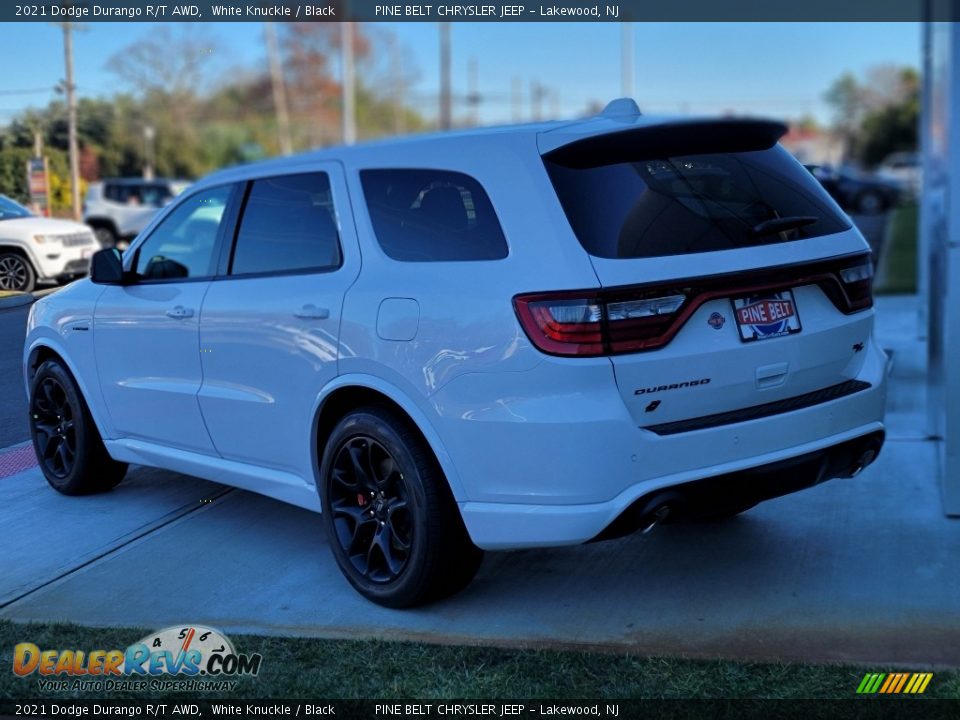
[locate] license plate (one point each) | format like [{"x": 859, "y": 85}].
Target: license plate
[{"x": 766, "y": 315}]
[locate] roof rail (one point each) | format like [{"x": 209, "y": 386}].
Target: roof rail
[{"x": 620, "y": 108}]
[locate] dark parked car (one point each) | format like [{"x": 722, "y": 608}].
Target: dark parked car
[{"x": 855, "y": 191}]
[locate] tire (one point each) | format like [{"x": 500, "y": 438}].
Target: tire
[
  {"x": 16, "y": 273},
  {"x": 394, "y": 528},
  {"x": 69, "y": 449},
  {"x": 105, "y": 235},
  {"x": 870, "y": 203}
]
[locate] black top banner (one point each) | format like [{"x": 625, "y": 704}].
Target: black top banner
[{"x": 480, "y": 11}]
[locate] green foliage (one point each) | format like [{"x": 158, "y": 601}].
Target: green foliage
[
  {"x": 198, "y": 127},
  {"x": 879, "y": 116}
]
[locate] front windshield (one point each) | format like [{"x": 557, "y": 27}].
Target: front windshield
[{"x": 10, "y": 210}]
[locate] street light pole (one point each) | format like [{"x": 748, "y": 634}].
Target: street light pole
[{"x": 69, "y": 89}]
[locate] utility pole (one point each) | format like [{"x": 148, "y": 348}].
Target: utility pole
[
  {"x": 70, "y": 91},
  {"x": 627, "y": 88},
  {"x": 537, "y": 94},
  {"x": 516, "y": 100},
  {"x": 399, "y": 110},
  {"x": 349, "y": 84},
  {"x": 279, "y": 89},
  {"x": 473, "y": 89},
  {"x": 149, "y": 134},
  {"x": 445, "y": 118}
]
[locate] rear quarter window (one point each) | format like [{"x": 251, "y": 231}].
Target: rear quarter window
[
  {"x": 432, "y": 216},
  {"x": 684, "y": 204}
]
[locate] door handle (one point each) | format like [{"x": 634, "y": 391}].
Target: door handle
[
  {"x": 180, "y": 312},
  {"x": 311, "y": 311}
]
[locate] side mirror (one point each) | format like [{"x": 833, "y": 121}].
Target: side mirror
[{"x": 106, "y": 267}]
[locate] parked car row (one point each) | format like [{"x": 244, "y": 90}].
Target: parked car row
[
  {"x": 35, "y": 249},
  {"x": 855, "y": 191}
]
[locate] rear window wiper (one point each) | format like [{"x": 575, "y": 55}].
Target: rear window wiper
[{"x": 779, "y": 224}]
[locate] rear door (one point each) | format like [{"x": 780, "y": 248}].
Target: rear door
[
  {"x": 730, "y": 257},
  {"x": 269, "y": 329}
]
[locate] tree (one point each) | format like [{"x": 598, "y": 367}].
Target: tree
[{"x": 877, "y": 117}]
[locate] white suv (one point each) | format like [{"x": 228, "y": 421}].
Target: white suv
[
  {"x": 35, "y": 249},
  {"x": 516, "y": 337},
  {"x": 119, "y": 208}
]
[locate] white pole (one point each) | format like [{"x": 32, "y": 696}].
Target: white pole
[
  {"x": 349, "y": 84},
  {"x": 446, "y": 111}
]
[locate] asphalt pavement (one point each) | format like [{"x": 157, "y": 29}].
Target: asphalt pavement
[{"x": 13, "y": 410}]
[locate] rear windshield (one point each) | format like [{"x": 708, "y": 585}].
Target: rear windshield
[{"x": 693, "y": 203}]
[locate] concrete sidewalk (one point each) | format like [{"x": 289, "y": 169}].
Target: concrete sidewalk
[{"x": 862, "y": 570}]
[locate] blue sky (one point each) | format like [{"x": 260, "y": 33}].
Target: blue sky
[{"x": 780, "y": 70}]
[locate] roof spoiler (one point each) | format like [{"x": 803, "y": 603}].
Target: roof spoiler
[{"x": 684, "y": 137}]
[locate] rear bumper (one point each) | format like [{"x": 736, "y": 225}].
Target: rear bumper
[{"x": 563, "y": 476}]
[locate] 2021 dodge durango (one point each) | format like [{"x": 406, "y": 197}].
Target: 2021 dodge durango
[{"x": 501, "y": 338}]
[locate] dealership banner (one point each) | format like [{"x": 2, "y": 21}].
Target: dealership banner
[{"x": 482, "y": 11}]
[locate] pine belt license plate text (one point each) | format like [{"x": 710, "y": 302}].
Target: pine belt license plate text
[{"x": 768, "y": 315}]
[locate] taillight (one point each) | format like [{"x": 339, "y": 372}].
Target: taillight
[
  {"x": 589, "y": 323},
  {"x": 568, "y": 324},
  {"x": 857, "y": 282}
]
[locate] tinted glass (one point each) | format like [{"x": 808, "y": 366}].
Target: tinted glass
[
  {"x": 432, "y": 215},
  {"x": 182, "y": 245},
  {"x": 288, "y": 224},
  {"x": 693, "y": 203}
]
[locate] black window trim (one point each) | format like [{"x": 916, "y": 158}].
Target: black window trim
[
  {"x": 225, "y": 263},
  {"x": 227, "y": 223}
]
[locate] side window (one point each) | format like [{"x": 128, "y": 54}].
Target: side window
[
  {"x": 182, "y": 245},
  {"x": 432, "y": 216},
  {"x": 288, "y": 224},
  {"x": 112, "y": 192}
]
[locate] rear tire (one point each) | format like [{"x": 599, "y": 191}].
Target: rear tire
[
  {"x": 393, "y": 525},
  {"x": 69, "y": 449}
]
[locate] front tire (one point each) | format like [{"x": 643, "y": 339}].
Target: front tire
[
  {"x": 16, "y": 273},
  {"x": 69, "y": 449},
  {"x": 394, "y": 528}
]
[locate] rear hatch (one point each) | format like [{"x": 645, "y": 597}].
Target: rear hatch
[{"x": 732, "y": 285}]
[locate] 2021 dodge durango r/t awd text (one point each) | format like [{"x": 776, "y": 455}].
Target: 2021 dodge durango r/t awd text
[{"x": 503, "y": 338}]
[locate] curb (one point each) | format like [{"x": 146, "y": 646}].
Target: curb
[
  {"x": 21, "y": 299},
  {"x": 13, "y": 301}
]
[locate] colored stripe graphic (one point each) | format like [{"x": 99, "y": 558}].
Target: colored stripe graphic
[{"x": 894, "y": 683}]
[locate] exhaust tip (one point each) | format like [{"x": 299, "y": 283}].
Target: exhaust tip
[{"x": 657, "y": 517}]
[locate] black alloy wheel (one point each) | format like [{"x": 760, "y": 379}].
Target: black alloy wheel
[
  {"x": 54, "y": 428},
  {"x": 371, "y": 513},
  {"x": 69, "y": 449},
  {"x": 394, "y": 528}
]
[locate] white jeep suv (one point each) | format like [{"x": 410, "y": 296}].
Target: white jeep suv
[
  {"x": 501, "y": 338},
  {"x": 34, "y": 248}
]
